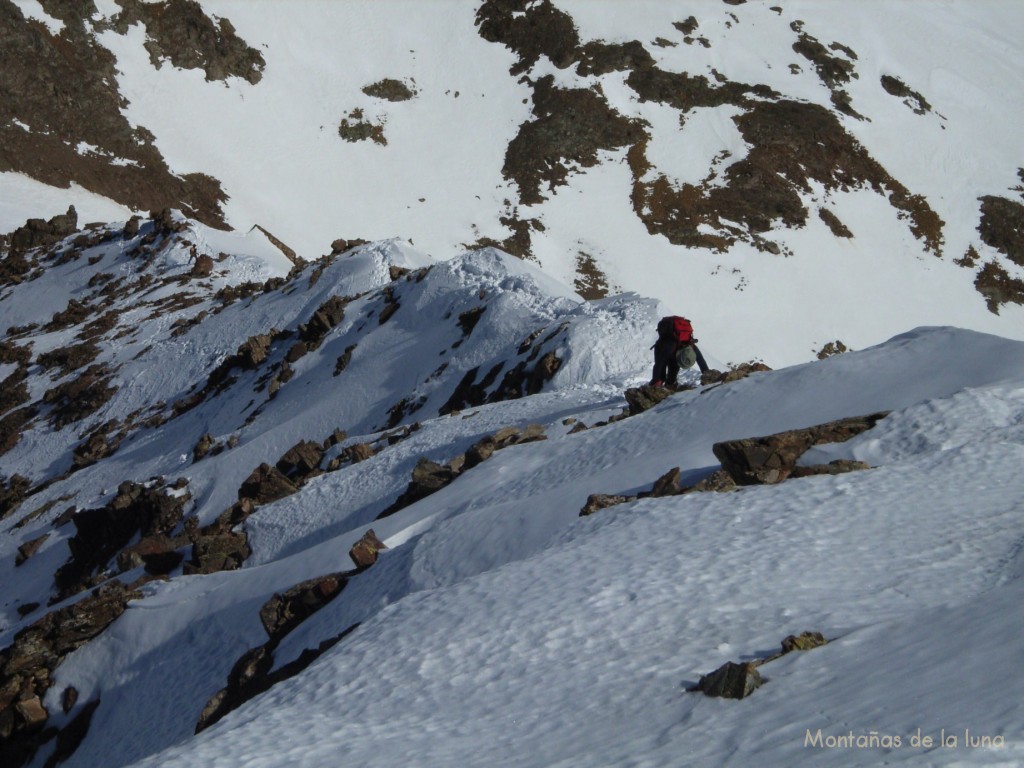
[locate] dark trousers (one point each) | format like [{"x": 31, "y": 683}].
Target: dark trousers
[{"x": 666, "y": 369}]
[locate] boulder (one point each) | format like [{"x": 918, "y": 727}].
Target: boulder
[
  {"x": 301, "y": 461},
  {"x": 805, "y": 641},
  {"x": 203, "y": 266},
  {"x": 364, "y": 552},
  {"x": 644, "y": 398},
  {"x": 285, "y": 611},
  {"x": 668, "y": 484},
  {"x": 266, "y": 484},
  {"x": 218, "y": 552},
  {"x": 731, "y": 681},
  {"x": 428, "y": 477}
]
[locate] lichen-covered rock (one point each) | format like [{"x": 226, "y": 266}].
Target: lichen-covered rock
[{"x": 805, "y": 641}]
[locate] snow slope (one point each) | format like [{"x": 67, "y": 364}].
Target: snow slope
[
  {"x": 504, "y": 630},
  {"x": 439, "y": 180}
]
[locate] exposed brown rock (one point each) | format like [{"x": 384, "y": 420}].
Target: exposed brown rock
[
  {"x": 773, "y": 458},
  {"x": 285, "y": 611},
  {"x": 266, "y": 484},
  {"x": 27, "y": 665},
  {"x": 644, "y": 398},
  {"x": 301, "y": 461},
  {"x": 599, "y": 501},
  {"x": 29, "y": 548},
  {"x": 102, "y": 533},
  {"x": 364, "y": 552},
  {"x": 389, "y": 89},
  {"x": 428, "y": 477},
  {"x": 805, "y": 641},
  {"x": 203, "y": 266}
]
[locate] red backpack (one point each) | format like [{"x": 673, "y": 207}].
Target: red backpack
[{"x": 676, "y": 328}]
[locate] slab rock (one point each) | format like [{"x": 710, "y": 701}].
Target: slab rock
[{"x": 773, "y": 458}]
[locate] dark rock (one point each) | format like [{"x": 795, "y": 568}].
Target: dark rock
[
  {"x": 771, "y": 459},
  {"x": 364, "y": 552},
  {"x": 644, "y": 398},
  {"x": 202, "y": 447},
  {"x": 301, "y": 461},
  {"x": 731, "y": 681},
  {"x": 298, "y": 350},
  {"x": 283, "y": 612},
  {"x": 805, "y": 641},
  {"x": 428, "y": 477},
  {"x": 837, "y": 467},
  {"x": 218, "y": 552},
  {"x": 68, "y": 699},
  {"x": 37, "y": 233},
  {"x": 358, "y": 452},
  {"x": 266, "y": 484},
  {"x": 203, "y": 266},
  {"x": 12, "y": 493},
  {"x": 251, "y": 676},
  {"x": 26, "y": 666},
  {"x": 718, "y": 481},
  {"x": 253, "y": 351},
  {"x": 29, "y": 548},
  {"x": 668, "y": 484},
  {"x": 598, "y": 501},
  {"x": 101, "y": 533}
]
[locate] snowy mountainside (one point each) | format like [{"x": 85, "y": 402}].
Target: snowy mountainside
[
  {"x": 771, "y": 169},
  {"x": 178, "y": 522}
]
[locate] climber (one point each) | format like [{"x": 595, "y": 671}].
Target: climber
[{"x": 675, "y": 348}]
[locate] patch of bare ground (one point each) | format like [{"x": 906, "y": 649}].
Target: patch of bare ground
[
  {"x": 600, "y": 58},
  {"x": 519, "y": 243},
  {"x": 997, "y": 287},
  {"x": 896, "y": 87},
  {"x": 180, "y": 32},
  {"x": 569, "y": 128},
  {"x": 531, "y": 29},
  {"x": 81, "y": 397},
  {"x": 833, "y": 70},
  {"x": 389, "y": 89},
  {"x": 792, "y": 144},
  {"x": 591, "y": 282},
  {"x": 355, "y": 127},
  {"x": 1002, "y": 226},
  {"x": 64, "y": 89},
  {"x": 838, "y": 228}
]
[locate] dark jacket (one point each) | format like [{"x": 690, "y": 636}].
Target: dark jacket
[{"x": 666, "y": 369}]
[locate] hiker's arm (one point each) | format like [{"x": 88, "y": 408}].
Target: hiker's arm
[{"x": 700, "y": 360}]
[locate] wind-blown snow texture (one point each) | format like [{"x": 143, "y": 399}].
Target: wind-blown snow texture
[{"x": 501, "y": 628}]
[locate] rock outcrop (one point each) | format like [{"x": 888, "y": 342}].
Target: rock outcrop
[{"x": 773, "y": 458}]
